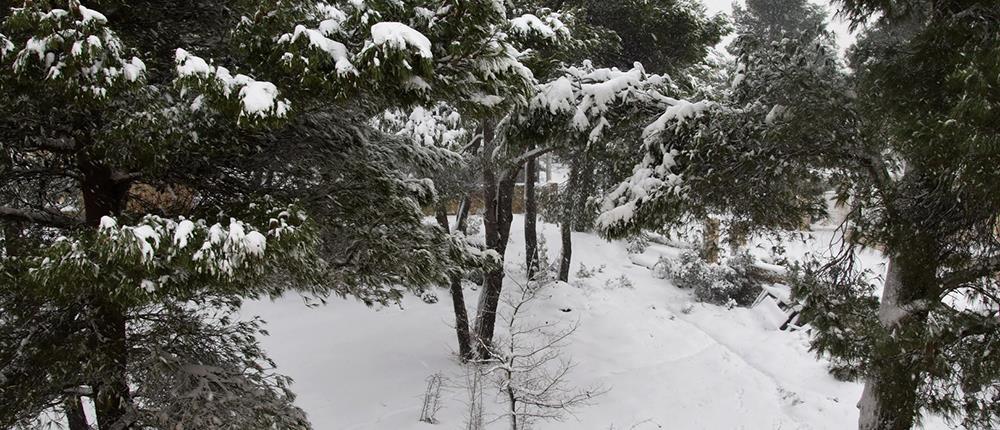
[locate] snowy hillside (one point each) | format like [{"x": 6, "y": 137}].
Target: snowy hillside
[{"x": 711, "y": 368}]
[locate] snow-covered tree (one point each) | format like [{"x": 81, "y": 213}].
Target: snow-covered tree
[
  {"x": 664, "y": 37},
  {"x": 905, "y": 141},
  {"x": 557, "y": 33},
  {"x": 925, "y": 75},
  {"x": 147, "y": 177},
  {"x": 545, "y": 36},
  {"x": 755, "y": 154}
]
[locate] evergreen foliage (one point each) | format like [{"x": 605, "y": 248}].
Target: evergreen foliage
[
  {"x": 734, "y": 281},
  {"x": 118, "y": 141},
  {"x": 904, "y": 141}
]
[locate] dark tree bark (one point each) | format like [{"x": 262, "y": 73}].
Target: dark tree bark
[
  {"x": 12, "y": 237},
  {"x": 461, "y": 320},
  {"x": 498, "y": 199},
  {"x": 498, "y": 234},
  {"x": 530, "y": 217},
  {"x": 457, "y": 299},
  {"x": 566, "y": 257},
  {"x": 582, "y": 179},
  {"x": 568, "y": 198},
  {"x": 462, "y": 217},
  {"x": 75, "y": 416},
  {"x": 493, "y": 279},
  {"x": 103, "y": 195},
  {"x": 112, "y": 398}
]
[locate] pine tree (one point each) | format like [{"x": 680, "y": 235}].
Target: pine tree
[
  {"x": 906, "y": 142},
  {"x": 152, "y": 180},
  {"x": 927, "y": 73},
  {"x": 544, "y": 36},
  {"x": 666, "y": 38},
  {"x": 785, "y": 101}
]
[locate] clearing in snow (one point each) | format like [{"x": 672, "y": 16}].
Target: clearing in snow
[{"x": 711, "y": 368}]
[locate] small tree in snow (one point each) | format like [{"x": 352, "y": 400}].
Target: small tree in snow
[{"x": 529, "y": 369}]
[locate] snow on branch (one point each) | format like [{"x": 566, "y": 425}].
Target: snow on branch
[
  {"x": 257, "y": 99},
  {"x": 72, "y": 51},
  {"x": 156, "y": 252},
  {"x": 676, "y": 115},
  {"x": 437, "y": 126},
  {"x": 588, "y": 97},
  {"x": 399, "y": 36},
  {"x": 317, "y": 39},
  {"x": 552, "y": 28}
]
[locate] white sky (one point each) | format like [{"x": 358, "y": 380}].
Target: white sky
[{"x": 839, "y": 26}]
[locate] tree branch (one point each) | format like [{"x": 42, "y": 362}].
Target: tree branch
[
  {"x": 958, "y": 278},
  {"x": 62, "y": 145},
  {"x": 46, "y": 218},
  {"x": 517, "y": 163},
  {"x": 534, "y": 153}
]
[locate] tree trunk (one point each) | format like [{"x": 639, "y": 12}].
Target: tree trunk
[
  {"x": 498, "y": 191},
  {"x": 512, "y": 399},
  {"x": 582, "y": 179},
  {"x": 457, "y": 299},
  {"x": 567, "y": 199},
  {"x": 737, "y": 239},
  {"x": 566, "y": 232},
  {"x": 497, "y": 237},
  {"x": 104, "y": 196},
  {"x": 441, "y": 216},
  {"x": 113, "y": 399},
  {"x": 530, "y": 217},
  {"x": 888, "y": 401},
  {"x": 461, "y": 320},
  {"x": 75, "y": 417},
  {"x": 12, "y": 237},
  {"x": 462, "y": 217},
  {"x": 710, "y": 246},
  {"x": 492, "y": 280}
]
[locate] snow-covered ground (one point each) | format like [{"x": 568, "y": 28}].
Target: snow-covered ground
[{"x": 712, "y": 368}]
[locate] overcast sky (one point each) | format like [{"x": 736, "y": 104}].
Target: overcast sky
[{"x": 844, "y": 36}]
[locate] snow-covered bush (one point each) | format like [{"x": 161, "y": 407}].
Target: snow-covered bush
[
  {"x": 734, "y": 280},
  {"x": 746, "y": 279},
  {"x": 662, "y": 268},
  {"x": 429, "y": 297},
  {"x": 689, "y": 271},
  {"x": 716, "y": 291},
  {"x": 474, "y": 226},
  {"x": 589, "y": 272},
  {"x": 638, "y": 243},
  {"x": 619, "y": 283}
]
